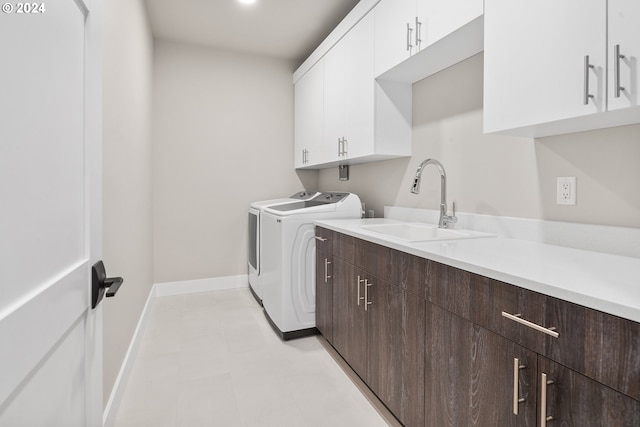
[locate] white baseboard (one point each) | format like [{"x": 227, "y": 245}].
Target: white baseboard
[
  {"x": 161, "y": 290},
  {"x": 111, "y": 408},
  {"x": 201, "y": 285}
]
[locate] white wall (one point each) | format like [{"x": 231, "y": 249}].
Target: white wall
[
  {"x": 127, "y": 207},
  {"x": 500, "y": 175},
  {"x": 223, "y": 137}
]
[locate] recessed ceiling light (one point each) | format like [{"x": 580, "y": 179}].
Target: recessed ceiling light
[{"x": 247, "y": 1}]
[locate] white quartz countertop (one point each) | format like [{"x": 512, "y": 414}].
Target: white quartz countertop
[{"x": 604, "y": 282}]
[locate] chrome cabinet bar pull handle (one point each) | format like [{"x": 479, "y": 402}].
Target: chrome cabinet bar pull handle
[
  {"x": 517, "y": 318},
  {"x": 359, "y": 297},
  {"x": 587, "y": 67},
  {"x": 345, "y": 146},
  {"x": 616, "y": 73},
  {"x": 326, "y": 270},
  {"x": 339, "y": 147},
  {"x": 409, "y": 30},
  {"x": 418, "y": 28},
  {"x": 516, "y": 372},
  {"x": 367, "y": 303},
  {"x": 543, "y": 400},
  {"x": 322, "y": 239}
]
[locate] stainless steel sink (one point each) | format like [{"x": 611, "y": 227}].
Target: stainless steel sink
[{"x": 420, "y": 232}]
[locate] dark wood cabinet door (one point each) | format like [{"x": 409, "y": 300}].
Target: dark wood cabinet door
[
  {"x": 324, "y": 294},
  {"x": 575, "y": 400},
  {"x": 349, "y": 320},
  {"x": 469, "y": 375},
  {"x": 396, "y": 349}
]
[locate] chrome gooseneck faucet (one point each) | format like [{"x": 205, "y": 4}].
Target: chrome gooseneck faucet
[{"x": 445, "y": 219}]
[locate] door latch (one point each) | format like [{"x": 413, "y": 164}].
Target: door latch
[{"x": 101, "y": 283}]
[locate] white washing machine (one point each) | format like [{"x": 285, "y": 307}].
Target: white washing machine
[
  {"x": 289, "y": 259},
  {"x": 255, "y": 240}
]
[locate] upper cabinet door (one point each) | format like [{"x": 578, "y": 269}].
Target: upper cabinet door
[
  {"x": 624, "y": 39},
  {"x": 437, "y": 19},
  {"x": 335, "y": 86},
  {"x": 536, "y": 68},
  {"x": 359, "y": 102},
  {"x": 395, "y": 33},
  {"x": 308, "y": 116},
  {"x": 349, "y": 93}
]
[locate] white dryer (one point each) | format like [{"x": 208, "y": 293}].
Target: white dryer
[
  {"x": 289, "y": 257},
  {"x": 255, "y": 240}
]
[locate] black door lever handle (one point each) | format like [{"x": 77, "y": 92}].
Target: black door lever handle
[
  {"x": 100, "y": 282},
  {"x": 113, "y": 284}
]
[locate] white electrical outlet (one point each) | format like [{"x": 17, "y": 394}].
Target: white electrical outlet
[{"x": 566, "y": 190}]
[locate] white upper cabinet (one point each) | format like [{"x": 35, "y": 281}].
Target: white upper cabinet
[
  {"x": 349, "y": 93},
  {"x": 404, "y": 28},
  {"x": 624, "y": 40},
  {"x": 351, "y": 118},
  {"x": 438, "y": 19},
  {"x": 395, "y": 34},
  {"x": 308, "y": 117},
  {"x": 546, "y": 66}
]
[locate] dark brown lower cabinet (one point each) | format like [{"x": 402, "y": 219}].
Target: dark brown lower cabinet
[
  {"x": 434, "y": 345},
  {"x": 378, "y": 329},
  {"x": 324, "y": 294},
  {"x": 470, "y": 374},
  {"x": 349, "y": 320},
  {"x": 396, "y": 350}
]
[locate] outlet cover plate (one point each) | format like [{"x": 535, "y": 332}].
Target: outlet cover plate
[{"x": 566, "y": 190}]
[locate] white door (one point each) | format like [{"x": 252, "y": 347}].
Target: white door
[{"x": 50, "y": 113}]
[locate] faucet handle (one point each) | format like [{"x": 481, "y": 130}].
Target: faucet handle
[{"x": 453, "y": 218}]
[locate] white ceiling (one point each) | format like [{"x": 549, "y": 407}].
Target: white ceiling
[{"x": 288, "y": 29}]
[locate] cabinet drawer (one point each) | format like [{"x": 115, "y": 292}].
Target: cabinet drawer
[
  {"x": 344, "y": 247},
  {"x": 324, "y": 239},
  {"x": 600, "y": 346},
  {"x": 401, "y": 269}
]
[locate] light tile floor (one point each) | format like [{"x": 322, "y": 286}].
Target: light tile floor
[{"x": 211, "y": 359}]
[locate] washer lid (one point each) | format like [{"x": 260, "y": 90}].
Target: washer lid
[
  {"x": 298, "y": 205},
  {"x": 323, "y": 202}
]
